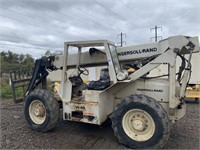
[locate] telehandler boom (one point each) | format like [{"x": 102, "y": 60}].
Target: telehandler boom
[{"x": 140, "y": 106}]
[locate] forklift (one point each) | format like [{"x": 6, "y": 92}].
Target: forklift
[{"x": 141, "y": 107}]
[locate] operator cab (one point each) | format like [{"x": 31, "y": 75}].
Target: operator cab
[{"x": 98, "y": 50}]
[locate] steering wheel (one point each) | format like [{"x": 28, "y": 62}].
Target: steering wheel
[{"x": 83, "y": 71}]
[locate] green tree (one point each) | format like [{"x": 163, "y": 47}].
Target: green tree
[
  {"x": 10, "y": 60},
  {"x": 21, "y": 58},
  {"x": 28, "y": 61}
]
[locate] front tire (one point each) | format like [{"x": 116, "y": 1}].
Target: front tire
[
  {"x": 140, "y": 122},
  {"x": 41, "y": 110}
]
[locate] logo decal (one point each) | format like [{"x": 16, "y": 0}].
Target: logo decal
[{"x": 140, "y": 51}]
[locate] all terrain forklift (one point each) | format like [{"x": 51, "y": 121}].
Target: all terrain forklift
[{"x": 141, "y": 107}]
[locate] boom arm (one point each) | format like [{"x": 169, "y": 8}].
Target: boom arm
[{"x": 94, "y": 58}]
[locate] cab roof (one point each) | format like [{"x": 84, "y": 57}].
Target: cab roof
[{"x": 88, "y": 43}]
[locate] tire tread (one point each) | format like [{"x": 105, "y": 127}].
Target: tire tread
[
  {"x": 53, "y": 108},
  {"x": 146, "y": 101}
]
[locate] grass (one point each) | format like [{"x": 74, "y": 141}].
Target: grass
[{"x": 6, "y": 90}]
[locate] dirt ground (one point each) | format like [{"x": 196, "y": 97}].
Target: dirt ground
[{"x": 16, "y": 134}]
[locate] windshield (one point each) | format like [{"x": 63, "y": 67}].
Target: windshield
[{"x": 115, "y": 59}]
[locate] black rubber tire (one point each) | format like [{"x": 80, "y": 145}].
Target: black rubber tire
[
  {"x": 154, "y": 109},
  {"x": 51, "y": 106}
]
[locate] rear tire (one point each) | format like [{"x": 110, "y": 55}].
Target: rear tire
[
  {"x": 41, "y": 110},
  {"x": 140, "y": 122}
]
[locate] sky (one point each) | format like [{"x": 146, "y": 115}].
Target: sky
[{"x": 35, "y": 26}]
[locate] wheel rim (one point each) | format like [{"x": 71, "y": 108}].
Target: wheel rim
[
  {"x": 138, "y": 125},
  {"x": 37, "y": 112}
]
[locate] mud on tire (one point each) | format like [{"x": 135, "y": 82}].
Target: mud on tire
[
  {"x": 41, "y": 110},
  {"x": 145, "y": 106}
]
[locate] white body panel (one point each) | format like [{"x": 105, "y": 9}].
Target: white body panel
[{"x": 100, "y": 104}]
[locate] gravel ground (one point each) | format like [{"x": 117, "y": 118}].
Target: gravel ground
[{"x": 15, "y": 133}]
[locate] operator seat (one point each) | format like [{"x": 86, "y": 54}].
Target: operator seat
[{"x": 102, "y": 83}]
